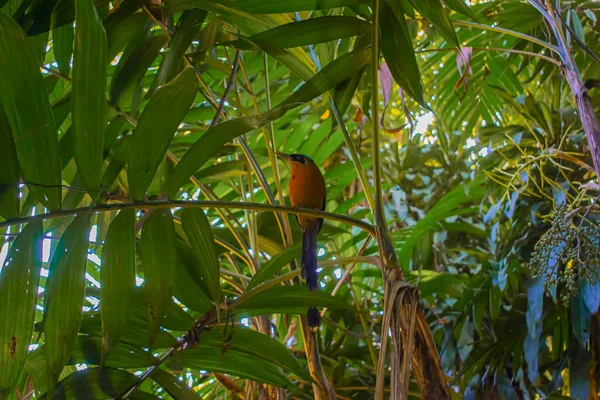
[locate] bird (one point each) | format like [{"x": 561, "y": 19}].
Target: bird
[{"x": 307, "y": 190}]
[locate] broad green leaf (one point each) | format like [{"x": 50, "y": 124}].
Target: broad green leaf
[
  {"x": 175, "y": 319},
  {"x": 25, "y": 101},
  {"x": 337, "y": 71},
  {"x": 134, "y": 68},
  {"x": 398, "y": 51},
  {"x": 96, "y": 383},
  {"x": 577, "y": 27},
  {"x": 156, "y": 127},
  {"x": 88, "y": 94},
  {"x": 200, "y": 236},
  {"x": 65, "y": 289},
  {"x": 9, "y": 173},
  {"x": 172, "y": 385},
  {"x": 231, "y": 362},
  {"x": 186, "y": 288},
  {"x": 434, "y": 12},
  {"x": 10, "y": 6},
  {"x": 135, "y": 334},
  {"x": 258, "y": 345},
  {"x": 88, "y": 349},
  {"x": 274, "y": 7},
  {"x": 310, "y": 31},
  {"x": 214, "y": 139},
  {"x": 117, "y": 278},
  {"x": 460, "y": 7},
  {"x": 19, "y": 279},
  {"x": 62, "y": 45},
  {"x": 272, "y": 266},
  {"x": 158, "y": 257},
  {"x": 445, "y": 207},
  {"x": 120, "y": 32},
  {"x": 189, "y": 24},
  {"x": 344, "y": 93},
  {"x": 287, "y": 299}
]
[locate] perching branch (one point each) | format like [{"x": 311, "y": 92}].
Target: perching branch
[{"x": 193, "y": 204}]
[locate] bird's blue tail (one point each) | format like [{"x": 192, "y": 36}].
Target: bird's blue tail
[{"x": 309, "y": 258}]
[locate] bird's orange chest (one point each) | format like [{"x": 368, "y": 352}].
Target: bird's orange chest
[{"x": 307, "y": 187}]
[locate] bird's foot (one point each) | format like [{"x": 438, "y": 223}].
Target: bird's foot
[{"x": 317, "y": 209}]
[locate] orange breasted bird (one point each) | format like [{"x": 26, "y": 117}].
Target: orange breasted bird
[{"x": 307, "y": 190}]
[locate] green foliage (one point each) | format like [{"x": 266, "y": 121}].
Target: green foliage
[{"x": 109, "y": 108}]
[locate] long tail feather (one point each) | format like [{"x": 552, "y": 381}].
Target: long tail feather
[
  {"x": 313, "y": 318},
  {"x": 309, "y": 259}
]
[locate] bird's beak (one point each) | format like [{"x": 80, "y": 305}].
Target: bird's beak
[{"x": 284, "y": 156}]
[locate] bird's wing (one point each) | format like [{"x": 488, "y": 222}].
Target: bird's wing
[{"x": 322, "y": 209}]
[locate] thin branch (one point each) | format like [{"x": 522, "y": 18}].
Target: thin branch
[
  {"x": 508, "y": 32},
  {"x": 497, "y": 49},
  {"x": 194, "y": 204},
  {"x": 227, "y": 89}
]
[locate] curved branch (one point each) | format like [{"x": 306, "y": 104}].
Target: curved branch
[{"x": 197, "y": 204}]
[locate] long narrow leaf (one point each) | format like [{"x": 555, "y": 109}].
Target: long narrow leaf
[
  {"x": 19, "y": 279},
  {"x": 277, "y": 262},
  {"x": 397, "y": 48},
  {"x": 88, "y": 98},
  {"x": 335, "y": 72},
  {"x": 117, "y": 279},
  {"x": 156, "y": 127},
  {"x": 198, "y": 231},
  {"x": 25, "y": 101},
  {"x": 65, "y": 290},
  {"x": 158, "y": 257},
  {"x": 9, "y": 173},
  {"x": 311, "y": 31},
  {"x": 275, "y": 7}
]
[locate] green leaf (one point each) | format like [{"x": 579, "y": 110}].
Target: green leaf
[
  {"x": 88, "y": 94},
  {"x": 158, "y": 257},
  {"x": 88, "y": 350},
  {"x": 231, "y": 362},
  {"x": 19, "y": 280},
  {"x": 134, "y": 68},
  {"x": 25, "y": 101},
  {"x": 156, "y": 127},
  {"x": 460, "y": 7},
  {"x": 213, "y": 139},
  {"x": 9, "y": 173},
  {"x": 577, "y": 27},
  {"x": 274, "y": 7},
  {"x": 445, "y": 207},
  {"x": 310, "y": 31},
  {"x": 200, "y": 236},
  {"x": 186, "y": 288},
  {"x": 255, "y": 344},
  {"x": 96, "y": 383},
  {"x": 397, "y": 48},
  {"x": 287, "y": 300},
  {"x": 62, "y": 45},
  {"x": 337, "y": 71},
  {"x": 135, "y": 334},
  {"x": 176, "y": 388},
  {"x": 117, "y": 278},
  {"x": 272, "y": 266},
  {"x": 189, "y": 24},
  {"x": 65, "y": 290},
  {"x": 434, "y": 12}
]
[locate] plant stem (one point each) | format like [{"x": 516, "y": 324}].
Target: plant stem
[
  {"x": 499, "y": 50},
  {"x": 194, "y": 204}
]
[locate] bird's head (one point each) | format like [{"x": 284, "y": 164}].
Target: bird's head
[{"x": 296, "y": 159}]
